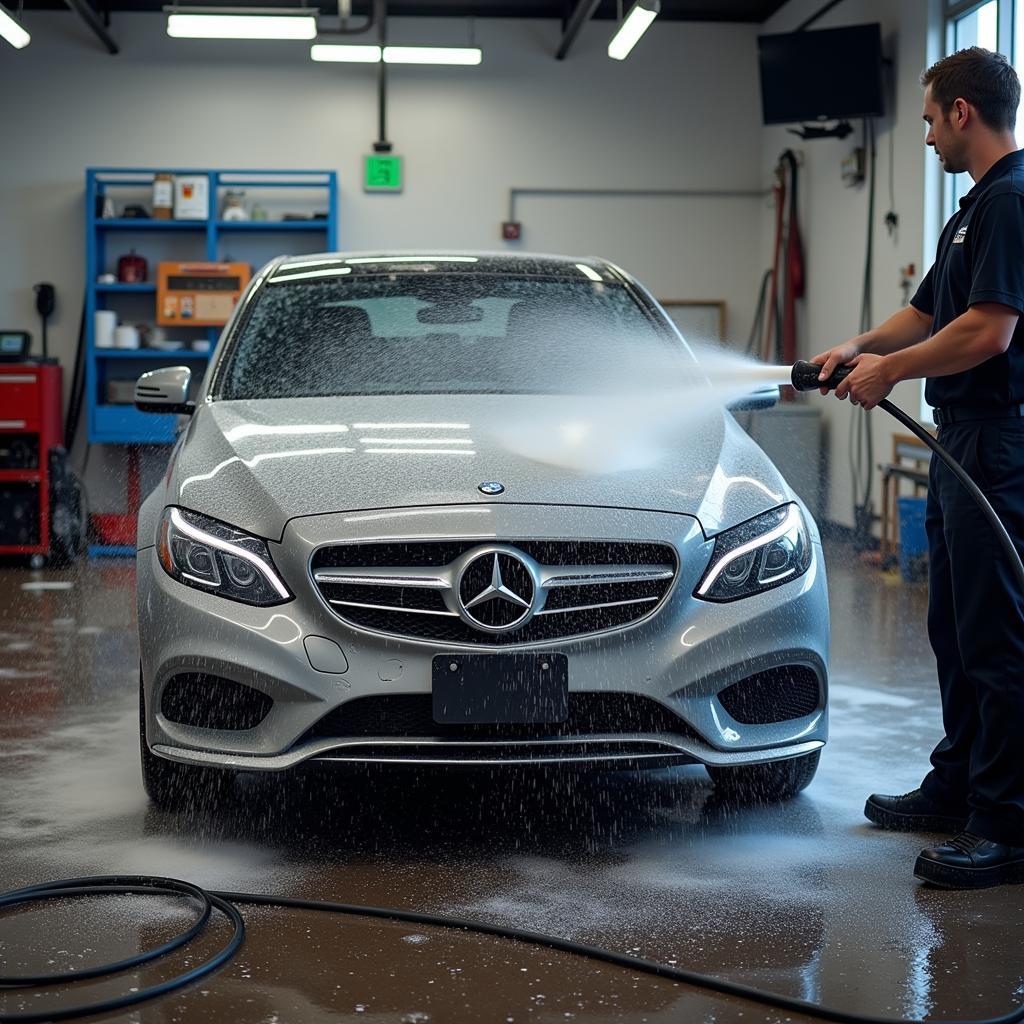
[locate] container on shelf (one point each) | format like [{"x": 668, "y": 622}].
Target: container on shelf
[
  {"x": 120, "y": 392},
  {"x": 126, "y": 336},
  {"x": 104, "y": 324},
  {"x": 234, "y": 206},
  {"x": 132, "y": 268},
  {"x": 191, "y": 197},
  {"x": 163, "y": 196}
]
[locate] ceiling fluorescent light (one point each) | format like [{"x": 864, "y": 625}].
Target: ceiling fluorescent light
[
  {"x": 345, "y": 54},
  {"x": 636, "y": 23},
  {"x": 12, "y": 31},
  {"x": 240, "y": 23},
  {"x": 462, "y": 55}
]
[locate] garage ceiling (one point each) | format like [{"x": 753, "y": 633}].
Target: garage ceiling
[{"x": 671, "y": 10}]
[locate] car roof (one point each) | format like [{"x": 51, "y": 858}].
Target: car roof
[{"x": 461, "y": 261}]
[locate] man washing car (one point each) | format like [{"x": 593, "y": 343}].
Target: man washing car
[{"x": 963, "y": 332}]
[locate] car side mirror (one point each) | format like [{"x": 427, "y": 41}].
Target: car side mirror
[
  {"x": 762, "y": 398},
  {"x": 165, "y": 390}
]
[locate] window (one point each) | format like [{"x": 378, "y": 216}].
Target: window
[
  {"x": 986, "y": 24},
  {"x": 438, "y": 334},
  {"x": 995, "y": 25}
]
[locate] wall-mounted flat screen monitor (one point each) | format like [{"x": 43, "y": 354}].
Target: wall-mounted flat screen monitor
[{"x": 822, "y": 75}]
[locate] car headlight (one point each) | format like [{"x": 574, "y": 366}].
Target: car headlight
[
  {"x": 764, "y": 552},
  {"x": 212, "y": 556}
]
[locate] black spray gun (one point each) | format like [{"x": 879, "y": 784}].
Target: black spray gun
[{"x": 804, "y": 377}]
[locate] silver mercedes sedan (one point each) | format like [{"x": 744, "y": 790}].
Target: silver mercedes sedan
[{"x": 348, "y": 561}]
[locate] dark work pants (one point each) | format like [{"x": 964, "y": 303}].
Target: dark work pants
[{"x": 976, "y": 628}]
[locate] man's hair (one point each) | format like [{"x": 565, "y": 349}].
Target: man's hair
[{"x": 984, "y": 79}]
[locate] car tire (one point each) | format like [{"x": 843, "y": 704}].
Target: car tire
[
  {"x": 777, "y": 780},
  {"x": 173, "y": 786}
]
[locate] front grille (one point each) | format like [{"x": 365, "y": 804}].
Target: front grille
[
  {"x": 410, "y": 716},
  {"x": 413, "y": 590},
  {"x": 777, "y": 695},
  {"x": 209, "y": 702},
  {"x": 439, "y": 553}
]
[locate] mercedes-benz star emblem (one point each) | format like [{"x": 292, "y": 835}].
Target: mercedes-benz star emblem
[
  {"x": 496, "y": 591},
  {"x": 491, "y": 487}
]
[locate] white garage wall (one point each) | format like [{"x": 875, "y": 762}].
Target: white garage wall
[
  {"x": 834, "y": 217},
  {"x": 682, "y": 112}
]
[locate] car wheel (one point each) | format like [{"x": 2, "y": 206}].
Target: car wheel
[
  {"x": 777, "y": 780},
  {"x": 172, "y": 786}
]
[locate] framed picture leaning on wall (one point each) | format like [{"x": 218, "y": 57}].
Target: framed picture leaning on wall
[{"x": 698, "y": 319}]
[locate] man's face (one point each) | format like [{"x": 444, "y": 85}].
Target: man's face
[{"x": 944, "y": 136}]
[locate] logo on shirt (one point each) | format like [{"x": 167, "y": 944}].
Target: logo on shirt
[{"x": 960, "y": 236}]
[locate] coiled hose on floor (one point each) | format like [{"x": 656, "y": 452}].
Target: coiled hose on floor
[{"x": 226, "y": 903}]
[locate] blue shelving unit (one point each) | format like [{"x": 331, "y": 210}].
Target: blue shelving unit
[{"x": 200, "y": 240}]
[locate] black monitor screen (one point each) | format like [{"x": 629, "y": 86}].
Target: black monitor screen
[{"x": 821, "y": 75}]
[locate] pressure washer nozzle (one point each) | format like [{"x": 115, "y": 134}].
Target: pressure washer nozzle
[{"x": 805, "y": 376}]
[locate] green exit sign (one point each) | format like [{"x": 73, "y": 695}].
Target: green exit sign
[{"x": 382, "y": 173}]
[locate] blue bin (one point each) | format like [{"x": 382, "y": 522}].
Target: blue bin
[{"x": 913, "y": 539}]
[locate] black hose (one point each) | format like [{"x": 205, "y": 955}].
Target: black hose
[
  {"x": 224, "y": 902},
  {"x": 77, "y": 390},
  {"x": 972, "y": 488},
  {"x": 804, "y": 377},
  {"x": 755, "y": 330},
  {"x": 103, "y": 885}
]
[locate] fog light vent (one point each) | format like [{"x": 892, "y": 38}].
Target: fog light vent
[
  {"x": 778, "y": 695},
  {"x": 210, "y": 702}
]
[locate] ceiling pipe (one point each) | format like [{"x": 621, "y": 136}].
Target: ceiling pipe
[
  {"x": 380, "y": 12},
  {"x": 582, "y": 13},
  {"x": 92, "y": 20},
  {"x": 344, "y": 13}
]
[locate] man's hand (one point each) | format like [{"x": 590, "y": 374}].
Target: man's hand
[
  {"x": 869, "y": 382},
  {"x": 831, "y": 360}
]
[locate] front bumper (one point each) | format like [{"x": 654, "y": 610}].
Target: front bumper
[{"x": 681, "y": 657}]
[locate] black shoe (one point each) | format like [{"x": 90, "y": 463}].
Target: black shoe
[
  {"x": 969, "y": 862},
  {"x": 912, "y": 812}
]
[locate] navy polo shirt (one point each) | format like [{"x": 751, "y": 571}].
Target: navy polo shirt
[{"x": 980, "y": 258}]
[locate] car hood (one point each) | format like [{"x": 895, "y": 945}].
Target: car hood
[{"x": 258, "y": 464}]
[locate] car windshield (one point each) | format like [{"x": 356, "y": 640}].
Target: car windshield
[{"x": 418, "y": 333}]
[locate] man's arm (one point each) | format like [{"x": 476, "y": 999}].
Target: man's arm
[
  {"x": 995, "y": 303},
  {"x": 984, "y": 331},
  {"x": 907, "y": 327}
]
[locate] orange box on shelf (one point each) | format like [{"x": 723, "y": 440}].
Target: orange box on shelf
[{"x": 199, "y": 294}]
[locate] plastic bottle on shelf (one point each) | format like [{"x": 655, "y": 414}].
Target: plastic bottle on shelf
[{"x": 163, "y": 196}]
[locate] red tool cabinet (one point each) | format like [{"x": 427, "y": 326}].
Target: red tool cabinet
[{"x": 30, "y": 427}]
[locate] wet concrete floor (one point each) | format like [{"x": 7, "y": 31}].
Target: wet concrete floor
[{"x": 805, "y": 899}]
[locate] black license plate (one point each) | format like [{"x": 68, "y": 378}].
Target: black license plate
[{"x": 495, "y": 689}]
